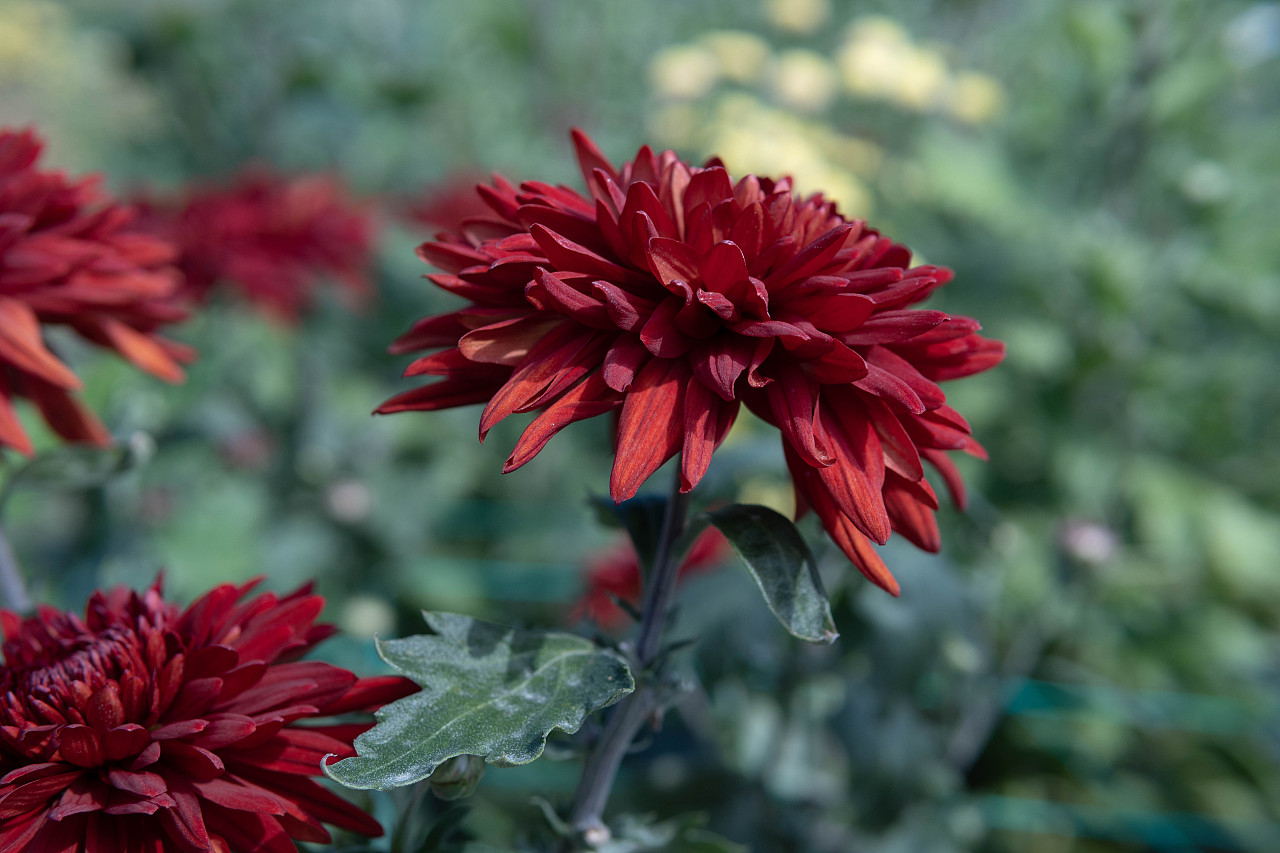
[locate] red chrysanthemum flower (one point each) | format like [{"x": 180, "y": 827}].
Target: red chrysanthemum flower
[
  {"x": 272, "y": 237},
  {"x": 149, "y": 728},
  {"x": 615, "y": 574},
  {"x": 69, "y": 258},
  {"x": 674, "y": 296}
]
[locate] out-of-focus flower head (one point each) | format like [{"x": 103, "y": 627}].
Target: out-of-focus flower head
[
  {"x": 615, "y": 574},
  {"x": 147, "y": 727},
  {"x": 878, "y": 59},
  {"x": 274, "y": 238},
  {"x": 444, "y": 206},
  {"x": 798, "y": 16},
  {"x": 674, "y": 296},
  {"x": 69, "y": 257}
]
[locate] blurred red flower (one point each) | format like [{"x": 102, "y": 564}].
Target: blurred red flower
[
  {"x": 615, "y": 574},
  {"x": 272, "y": 237},
  {"x": 447, "y": 204},
  {"x": 675, "y": 296},
  {"x": 69, "y": 257},
  {"x": 146, "y": 727}
]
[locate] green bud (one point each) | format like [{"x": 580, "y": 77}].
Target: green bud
[{"x": 457, "y": 777}]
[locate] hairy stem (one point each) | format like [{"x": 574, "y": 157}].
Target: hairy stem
[
  {"x": 13, "y": 589},
  {"x": 629, "y": 716}
]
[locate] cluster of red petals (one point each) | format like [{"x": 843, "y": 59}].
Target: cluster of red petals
[
  {"x": 674, "y": 295},
  {"x": 69, "y": 258},
  {"x": 146, "y": 728},
  {"x": 272, "y": 237},
  {"x": 615, "y": 574}
]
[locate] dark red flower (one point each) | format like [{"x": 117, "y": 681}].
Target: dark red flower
[
  {"x": 674, "y": 295},
  {"x": 68, "y": 257},
  {"x": 148, "y": 728},
  {"x": 272, "y": 237},
  {"x": 446, "y": 205},
  {"x": 615, "y": 574}
]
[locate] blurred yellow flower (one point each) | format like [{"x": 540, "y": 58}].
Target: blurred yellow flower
[
  {"x": 741, "y": 56},
  {"x": 674, "y": 124},
  {"x": 879, "y": 60},
  {"x": 31, "y": 35},
  {"x": 974, "y": 98},
  {"x": 56, "y": 76},
  {"x": 804, "y": 80},
  {"x": 753, "y": 137},
  {"x": 922, "y": 79},
  {"x": 685, "y": 71},
  {"x": 797, "y": 16},
  {"x": 870, "y": 56}
]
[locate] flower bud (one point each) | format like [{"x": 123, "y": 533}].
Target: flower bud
[{"x": 457, "y": 777}]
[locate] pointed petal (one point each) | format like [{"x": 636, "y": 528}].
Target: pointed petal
[
  {"x": 838, "y": 366},
  {"x": 22, "y": 346},
  {"x": 661, "y": 334},
  {"x": 589, "y": 398},
  {"x": 855, "y": 481},
  {"x": 950, "y": 475},
  {"x": 623, "y": 360},
  {"x": 446, "y": 394},
  {"x": 541, "y": 369},
  {"x": 886, "y": 327},
  {"x": 64, "y": 414},
  {"x": 11, "y": 432},
  {"x": 793, "y": 402},
  {"x": 707, "y": 420},
  {"x": 910, "y": 515},
  {"x": 650, "y": 430},
  {"x": 811, "y": 492},
  {"x": 719, "y": 362}
]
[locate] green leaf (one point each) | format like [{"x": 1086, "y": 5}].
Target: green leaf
[
  {"x": 78, "y": 466},
  {"x": 783, "y": 567},
  {"x": 682, "y": 834},
  {"x": 642, "y": 519},
  {"x": 488, "y": 690}
]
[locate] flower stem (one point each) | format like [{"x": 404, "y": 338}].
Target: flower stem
[
  {"x": 13, "y": 589},
  {"x": 631, "y": 713}
]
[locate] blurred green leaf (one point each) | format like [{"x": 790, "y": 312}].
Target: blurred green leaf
[
  {"x": 783, "y": 567},
  {"x": 642, "y": 519},
  {"x": 79, "y": 467},
  {"x": 682, "y": 834},
  {"x": 488, "y": 691}
]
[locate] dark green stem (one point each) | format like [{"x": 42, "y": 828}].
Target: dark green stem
[{"x": 629, "y": 716}]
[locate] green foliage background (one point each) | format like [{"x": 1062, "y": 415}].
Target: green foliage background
[{"x": 1090, "y": 664}]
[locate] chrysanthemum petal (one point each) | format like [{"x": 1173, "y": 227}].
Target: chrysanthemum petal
[
  {"x": 590, "y": 398},
  {"x": 650, "y": 427},
  {"x": 706, "y": 423}
]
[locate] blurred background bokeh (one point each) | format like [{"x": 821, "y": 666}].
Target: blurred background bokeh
[{"x": 1091, "y": 664}]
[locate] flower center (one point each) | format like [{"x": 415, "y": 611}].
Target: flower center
[{"x": 57, "y": 688}]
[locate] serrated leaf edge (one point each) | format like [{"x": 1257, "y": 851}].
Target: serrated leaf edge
[{"x": 628, "y": 687}]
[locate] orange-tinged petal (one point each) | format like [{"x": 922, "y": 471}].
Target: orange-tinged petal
[
  {"x": 651, "y": 428},
  {"x": 22, "y": 345},
  {"x": 589, "y": 398},
  {"x": 143, "y": 351},
  {"x": 707, "y": 420}
]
